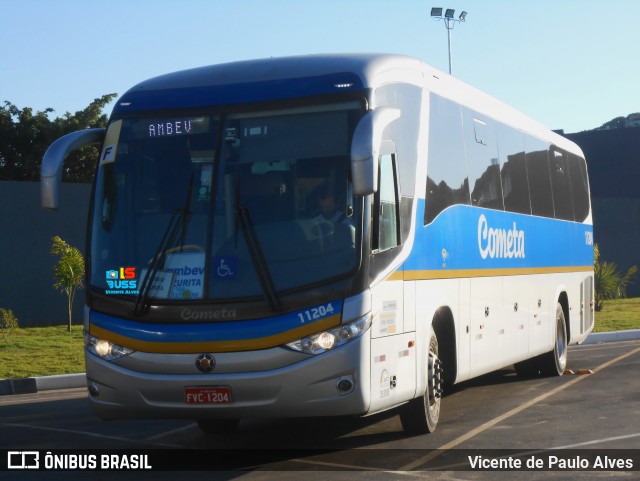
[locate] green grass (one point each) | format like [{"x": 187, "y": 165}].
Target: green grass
[
  {"x": 42, "y": 351},
  {"x": 618, "y": 315}
]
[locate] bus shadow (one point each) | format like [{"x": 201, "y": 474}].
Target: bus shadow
[
  {"x": 502, "y": 376},
  {"x": 334, "y": 433},
  {"x": 345, "y": 432},
  {"x": 319, "y": 443}
]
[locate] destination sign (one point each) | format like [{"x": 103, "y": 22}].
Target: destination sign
[{"x": 175, "y": 127}]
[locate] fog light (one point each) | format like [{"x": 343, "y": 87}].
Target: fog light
[
  {"x": 94, "y": 390},
  {"x": 345, "y": 385}
]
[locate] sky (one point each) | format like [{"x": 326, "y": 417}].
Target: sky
[{"x": 570, "y": 64}]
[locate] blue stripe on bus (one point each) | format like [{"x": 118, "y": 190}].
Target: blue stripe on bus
[
  {"x": 468, "y": 238},
  {"x": 240, "y": 330}
]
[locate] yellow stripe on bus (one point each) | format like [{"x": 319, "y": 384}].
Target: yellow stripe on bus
[
  {"x": 463, "y": 273},
  {"x": 215, "y": 346}
]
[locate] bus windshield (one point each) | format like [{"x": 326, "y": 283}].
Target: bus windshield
[{"x": 225, "y": 206}]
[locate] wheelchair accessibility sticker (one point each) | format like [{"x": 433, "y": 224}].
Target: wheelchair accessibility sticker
[{"x": 225, "y": 267}]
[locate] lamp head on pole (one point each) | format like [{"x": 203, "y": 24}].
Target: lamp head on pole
[{"x": 449, "y": 22}]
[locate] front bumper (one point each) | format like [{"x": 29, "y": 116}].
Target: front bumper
[{"x": 305, "y": 388}]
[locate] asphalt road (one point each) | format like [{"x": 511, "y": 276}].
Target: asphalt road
[{"x": 590, "y": 414}]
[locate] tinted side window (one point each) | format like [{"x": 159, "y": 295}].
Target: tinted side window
[
  {"x": 537, "y": 160},
  {"x": 515, "y": 184},
  {"x": 562, "y": 202},
  {"x": 482, "y": 161},
  {"x": 447, "y": 181},
  {"x": 579, "y": 187}
]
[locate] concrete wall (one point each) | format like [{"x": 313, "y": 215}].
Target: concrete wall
[
  {"x": 613, "y": 158},
  {"x": 26, "y": 282},
  {"x": 616, "y": 229}
]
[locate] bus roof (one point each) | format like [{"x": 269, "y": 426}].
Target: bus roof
[
  {"x": 279, "y": 79},
  {"x": 252, "y": 81}
]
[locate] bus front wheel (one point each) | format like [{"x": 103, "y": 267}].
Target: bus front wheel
[{"x": 420, "y": 415}]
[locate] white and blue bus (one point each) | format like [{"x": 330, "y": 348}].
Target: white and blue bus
[{"x": 324, "y": 235}]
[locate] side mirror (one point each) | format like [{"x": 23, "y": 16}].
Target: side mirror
[
  {"x": 51, "y": 169},
  {"x": 365, "y": 148}
]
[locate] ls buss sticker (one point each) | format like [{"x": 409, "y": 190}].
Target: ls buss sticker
[{"x": 121, "y": 281}]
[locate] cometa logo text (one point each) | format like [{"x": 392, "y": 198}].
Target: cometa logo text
[{"x": 499, "y": 243}]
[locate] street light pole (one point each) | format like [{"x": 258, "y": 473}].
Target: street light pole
[{"x": 449, "y": 23}]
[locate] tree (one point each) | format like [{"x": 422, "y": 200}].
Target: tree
[
  {"x": 617, "y": 123},
  {"x": 68, "y": 273},
  {"x": 609, "y": 283},
  {"x": 25, "y": 135}
]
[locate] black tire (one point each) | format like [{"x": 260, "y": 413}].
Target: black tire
[
  {"x": 421, "y": 415},
  {"x": 218, "y": 426},
  {"x": 554, "y": 362}
]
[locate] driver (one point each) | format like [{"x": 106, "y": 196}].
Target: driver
[{"x": 328, "y": 210}]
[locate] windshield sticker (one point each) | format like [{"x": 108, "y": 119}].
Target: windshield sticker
[
  {"x": 226, "y": 267},
  {"x": 108, "y": 154},
  {"x": 188, "y": 271},
  {"x": 161, "y": 285},
  {"x": 206, "y": 175},
  {"x": 109, "y": 150},
  {"x": 121, "y": 280}
]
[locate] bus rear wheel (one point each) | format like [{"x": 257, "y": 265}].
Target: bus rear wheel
[
  {"x": 421, "y": 415},
  {"x": 554, "y": 362}
]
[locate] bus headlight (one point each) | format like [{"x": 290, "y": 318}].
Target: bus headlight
[
  {"x": 104, "y": 349},
  {"x": 327, "y": 340}
]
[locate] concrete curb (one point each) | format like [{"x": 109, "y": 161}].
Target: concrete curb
[
  {"x": 612, "y": 336},
  {"x": 31, "y": 385},
  {"x": 62, "y": 381},
  {"x": 35, "y": 384}
]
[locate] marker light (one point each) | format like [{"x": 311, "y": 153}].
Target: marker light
[
  {"x": 327, "y": 340},
  {"x": 104, "y": 349}
]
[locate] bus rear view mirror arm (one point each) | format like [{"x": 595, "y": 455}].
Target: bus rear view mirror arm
[
  {"x": 365, "y": 146},
  {"x": 51, "y": 170}
]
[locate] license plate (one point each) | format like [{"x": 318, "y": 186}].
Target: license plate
[{"x": 207, "y": 395}]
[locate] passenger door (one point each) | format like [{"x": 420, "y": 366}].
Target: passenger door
[{"x": 393, "y": 361}]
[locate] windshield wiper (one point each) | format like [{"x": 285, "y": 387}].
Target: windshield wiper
[
  {"x": 169, "y": 237},
  {"x": 177, "y": 225},
  {"x": 257, "y": 257}
]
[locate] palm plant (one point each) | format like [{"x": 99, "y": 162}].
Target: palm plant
[
  {"x": 68, "y": 273},
  {"x": 609, "y": 282}
]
